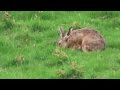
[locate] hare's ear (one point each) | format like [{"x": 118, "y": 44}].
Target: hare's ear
[
  {"x": 70, "y": 30},
  {"x": 61, "y": 32}
]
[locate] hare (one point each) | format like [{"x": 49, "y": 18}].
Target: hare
[{"x": 85, "y": 39}]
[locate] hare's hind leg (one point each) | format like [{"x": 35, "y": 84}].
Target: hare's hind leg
[
  {"x": 91, "y": 46},
  {"x": 85, "y": 48},
  {"x": 87, "y": 45}
]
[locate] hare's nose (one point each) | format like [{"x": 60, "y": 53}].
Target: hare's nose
[{"x": 58, "y": 43}]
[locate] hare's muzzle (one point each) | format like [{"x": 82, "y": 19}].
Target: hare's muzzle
[{"x": 59, "y": 43}]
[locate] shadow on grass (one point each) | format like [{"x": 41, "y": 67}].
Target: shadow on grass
[{"x": 115, "y": 45}]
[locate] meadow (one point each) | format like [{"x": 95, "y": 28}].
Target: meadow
[{"x": 28, "y": 45}]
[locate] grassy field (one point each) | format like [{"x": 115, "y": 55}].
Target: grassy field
[{"x": 28, "y": 45}]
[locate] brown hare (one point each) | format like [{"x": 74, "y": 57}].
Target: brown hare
[{"x": 85, "y": 39}]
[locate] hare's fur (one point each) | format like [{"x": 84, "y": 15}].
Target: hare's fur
[{"x": 85, "y": 39}]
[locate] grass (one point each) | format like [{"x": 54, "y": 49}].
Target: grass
[{"x": 28, "y": 45}]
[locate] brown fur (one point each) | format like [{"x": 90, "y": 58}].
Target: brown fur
[{"x": 85, "y": 39}]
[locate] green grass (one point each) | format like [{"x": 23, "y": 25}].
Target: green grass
[{"x": 28, "y": 45}]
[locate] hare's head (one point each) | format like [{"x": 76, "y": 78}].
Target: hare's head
[{"x": 64, "y": 36}]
